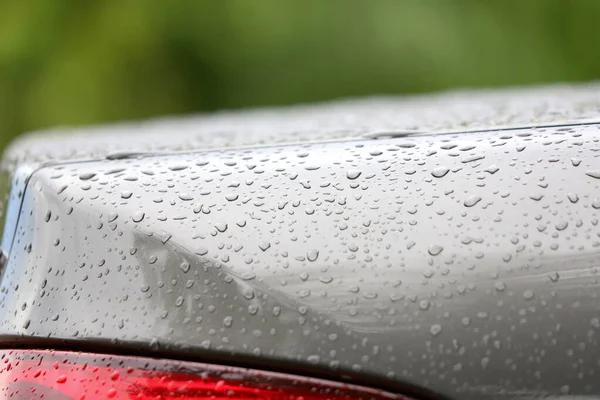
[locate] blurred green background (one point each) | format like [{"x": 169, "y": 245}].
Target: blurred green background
[{"x": 79, "y": 62}]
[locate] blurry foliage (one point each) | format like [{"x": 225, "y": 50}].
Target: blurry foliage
[{"x": 77, "y": 62}]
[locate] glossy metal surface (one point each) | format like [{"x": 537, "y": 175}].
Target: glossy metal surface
[
  {"x": 466, "y": 264},
  {"x": 346, "y": 119}
]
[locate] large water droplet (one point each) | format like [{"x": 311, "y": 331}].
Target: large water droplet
[
  {"x": 138, "y": 216},
  {"x": 440, "y": 172},
  {"x": 472, "y": 200},
  {"x": 435, "y": 249},
  {"x": 221, "y": 226},
  {"x": 536, "y": 196},
  {"x": 353, "y": 174},
  {"x": 593, "y": 173},
  {"x": 492, "y": 169},
  {"x": 232, "y": 196},
  {"x": 84, "y": 176},
  {"x": 201, "y": 251},
  {"x": 573, "y": 198},
  {"x": 185, "y": 197}
]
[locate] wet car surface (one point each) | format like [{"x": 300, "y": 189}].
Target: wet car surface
[{"x": 457, "y": 265}]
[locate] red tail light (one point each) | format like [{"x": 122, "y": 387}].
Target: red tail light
[{"x": 50, "y": 375}]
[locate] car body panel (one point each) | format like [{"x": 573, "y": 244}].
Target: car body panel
[{"x": 461, "y": 263}]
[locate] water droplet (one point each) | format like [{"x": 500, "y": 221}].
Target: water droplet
[
  {"x": 165, "y": 237},
  {"x": 353, "y": 174},
  {"x": 184, "y": 266},
  {"x": 84, "y": 176},
  {"x": 138, "y": 216},
  {"x": 562, "y": 225},
  {"x": 573, "y": 198},
  {"x": 312, "y": 255},
  {"x": 221, "y": 227},
  {"x": 492, "y": 169},
  {"x": 472, "y": 200},
  {"x": 440, "y": 172},
  {"x": 248, "y": 275},
  {"x": 248, "y": 293},
  {"x": 232, "y": 196},
  {"x": 473, "y": 158},
  {"x": 313, "y": 359},
  {"x": 179, "y": 301},
  {"x": 593, "y": 173},
  {"x": 201, "y": 251},
  {"x": 435, "y": 329},
  {"x": 435, "y": 249},
  {"x": 536, "y": 196},
  {"x": 500, "y": 286},
  {"x": 264, "y": 246},
  {"x": 185, "y": 197}
]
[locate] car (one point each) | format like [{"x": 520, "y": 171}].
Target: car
[{"x": 440, "y": 246}]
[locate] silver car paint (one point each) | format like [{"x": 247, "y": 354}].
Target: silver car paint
[{"x": 466, "y": 264}]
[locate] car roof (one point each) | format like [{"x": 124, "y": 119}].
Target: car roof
[{"x": 452, "y": 111}]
